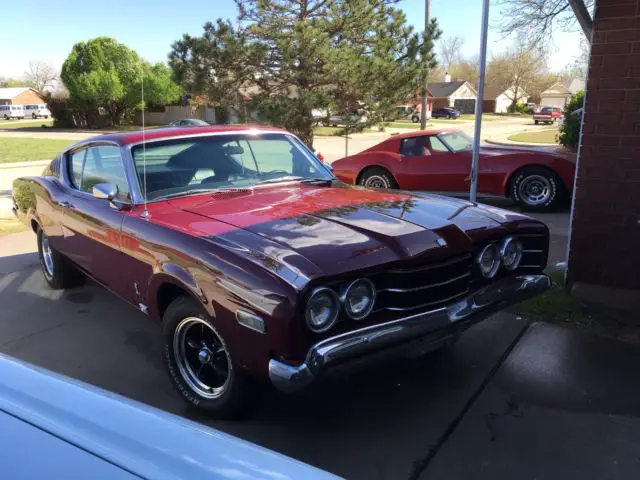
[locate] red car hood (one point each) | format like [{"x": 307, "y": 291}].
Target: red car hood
[{"x": 326, "y": 231}]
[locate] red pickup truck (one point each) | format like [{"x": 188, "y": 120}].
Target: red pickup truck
[{"x": 547, "y": 115}]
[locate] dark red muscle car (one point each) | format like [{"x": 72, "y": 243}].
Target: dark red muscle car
[
  {"x": 440, "y": 161},
  {"x": 258, "y": 263}
]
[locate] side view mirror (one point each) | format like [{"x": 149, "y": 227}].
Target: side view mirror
[
  {"x": 327, "y": 166},
  {"x": 106, "y": 191}
]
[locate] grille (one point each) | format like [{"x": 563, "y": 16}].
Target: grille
[
  {"x": 427, "y": 286},
  {"x": 535, "y": 251}
]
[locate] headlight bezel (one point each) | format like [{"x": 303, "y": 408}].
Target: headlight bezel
[
  {"x": 503, "y": 247},
  {"x": 345, "y": 294},
  {"x": 336, "y": 312},
  {"x": 496, "y": 264}
]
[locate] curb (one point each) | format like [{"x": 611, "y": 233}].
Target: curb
[{"x": 30, "y": 163}]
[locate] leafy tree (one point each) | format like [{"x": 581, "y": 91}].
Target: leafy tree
[
  {"x": 102, "y": 74},
  {"x": 41, "y": 76},
  {"x": 296, "y": 56},
  {"x": 218, "y": 65},
  {"x": 570, "y": 132},
  {"x": 518, "y": 67}
]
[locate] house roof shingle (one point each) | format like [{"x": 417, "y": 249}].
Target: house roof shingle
[{"x": 444, "y": 89}]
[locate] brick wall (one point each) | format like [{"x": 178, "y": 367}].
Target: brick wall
[
  {"x": 27, "y": 98},
  {"x": 605, "y": 238}
]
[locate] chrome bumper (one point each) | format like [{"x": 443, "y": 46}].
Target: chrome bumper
[{"x": 424, "y": 331}]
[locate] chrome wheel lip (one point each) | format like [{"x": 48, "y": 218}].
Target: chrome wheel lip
[
  {"x": 376, "y": 181},
  {"x": 47, "y": 256},
  {"x": 180, "y": 345},
  {"x": 535, "y": 189}
]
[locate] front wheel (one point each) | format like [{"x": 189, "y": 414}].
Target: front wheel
[
  {"x": 376, "y": 177},
  {"x": 34, "y": 116},
  {"x": 57, "y": 270},
  {"x": 199, "y": 363},
  {"x": 536, "y": 189},
  {"x": 415, "y": 119},
  {"x": 536, "y": 122}
]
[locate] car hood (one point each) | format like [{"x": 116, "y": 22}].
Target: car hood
[{"x": 326, "y": 231}]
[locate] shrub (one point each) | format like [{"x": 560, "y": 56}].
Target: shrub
[{"x": 570, "y": 131}]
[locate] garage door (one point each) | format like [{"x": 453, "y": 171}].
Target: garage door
[{"x": 465, "y": 105}]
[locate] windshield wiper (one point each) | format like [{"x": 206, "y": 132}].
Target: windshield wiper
[
  {"x": 187, "y": 192},
  {"x": 308, "y": 180}
]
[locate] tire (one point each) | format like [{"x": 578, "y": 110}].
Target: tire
[
  {"x": 205, "y": 389},
  {"x": 56, "y": 269},
  {"x": 537, "y": 189},
  {"x": 6, "y": 117},
  {"x": 34, "y": 116},
  {"x": 415, "y": 119},
  {"x": 376, "y": 177},
  {"x": 536, "y": 122}
]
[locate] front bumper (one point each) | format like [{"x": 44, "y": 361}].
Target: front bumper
[{"x": 418, "y": 333}]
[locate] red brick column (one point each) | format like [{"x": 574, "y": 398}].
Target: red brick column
[{"x": 604, "y": 249}]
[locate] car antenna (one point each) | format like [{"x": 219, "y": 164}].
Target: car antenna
[{"x": 145, "y": 212}]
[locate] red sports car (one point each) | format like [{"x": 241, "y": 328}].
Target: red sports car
[{"x": 440, "y": 160}]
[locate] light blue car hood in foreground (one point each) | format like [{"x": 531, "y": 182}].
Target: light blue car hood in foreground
[{"x": 124, "y": 435}]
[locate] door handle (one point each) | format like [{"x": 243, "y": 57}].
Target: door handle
[{"x": 65, "y": 204}]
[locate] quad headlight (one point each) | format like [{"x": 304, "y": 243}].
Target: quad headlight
[
  {"x": 322, "y": 309},
  {"x": 488, "y": 260},
  {"x": 511, "y": 253},
  {"x": 358, "y": 298}
]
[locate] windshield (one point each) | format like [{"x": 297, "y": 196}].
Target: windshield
[
  {"x": 456, "y": 141},
  {"x": 178, "y": 166}
]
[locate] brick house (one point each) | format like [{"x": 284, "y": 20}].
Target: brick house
[
  {"x": 19, "y": 96},
  {"x": 604, "y": 242}
]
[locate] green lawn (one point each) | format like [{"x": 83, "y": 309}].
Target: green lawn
[
  {"x": 542, "y": 136},
  {"x": 24, "y": 149},
  {"x": 13, "y": 124},
  {"x": 11, "y": 225}
]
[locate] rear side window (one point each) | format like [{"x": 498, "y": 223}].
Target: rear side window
[
  {"x": 412, "y": 147},
  {"x": 75, "y": 167}
]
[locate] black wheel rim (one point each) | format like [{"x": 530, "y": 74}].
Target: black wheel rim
[{"x": 202, "y": 357}]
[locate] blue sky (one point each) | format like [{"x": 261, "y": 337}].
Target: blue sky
[{"x": 150, "y": 26}]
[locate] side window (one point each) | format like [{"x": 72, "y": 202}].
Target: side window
[
  {"x": 437, "y": 146},
  {"x": 413, "y": 147},
  {"x": 103, "y": 164},
  {"x": 75, "y": 167}
]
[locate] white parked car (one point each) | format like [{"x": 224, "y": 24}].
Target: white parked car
[
  {"x": 35, "y": 111},
  {"x": 11, "y": 111}
]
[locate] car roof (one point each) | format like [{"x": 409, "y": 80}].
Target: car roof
[
  {"x": 128, "y": 138},
  {"x": 139, "y": 439}
]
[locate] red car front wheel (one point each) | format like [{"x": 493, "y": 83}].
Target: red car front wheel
[{"x": 376, "y": 177}]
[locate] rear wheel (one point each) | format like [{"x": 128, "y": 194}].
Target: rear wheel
[
  {"x": 415, "y": 119},
  {"x": 376, "y": 177},
  {"x": 199, "y": 363},
  {"x": 34, "y": 116},
  {"x": 536, "y": 122},
  {"x": 57, "y": 270},
  {"x": 536, "y": 189}
]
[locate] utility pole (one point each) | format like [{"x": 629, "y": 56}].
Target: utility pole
[
  {"x": 476, "y": 138},
  {"x": 425, "y": 89}
]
